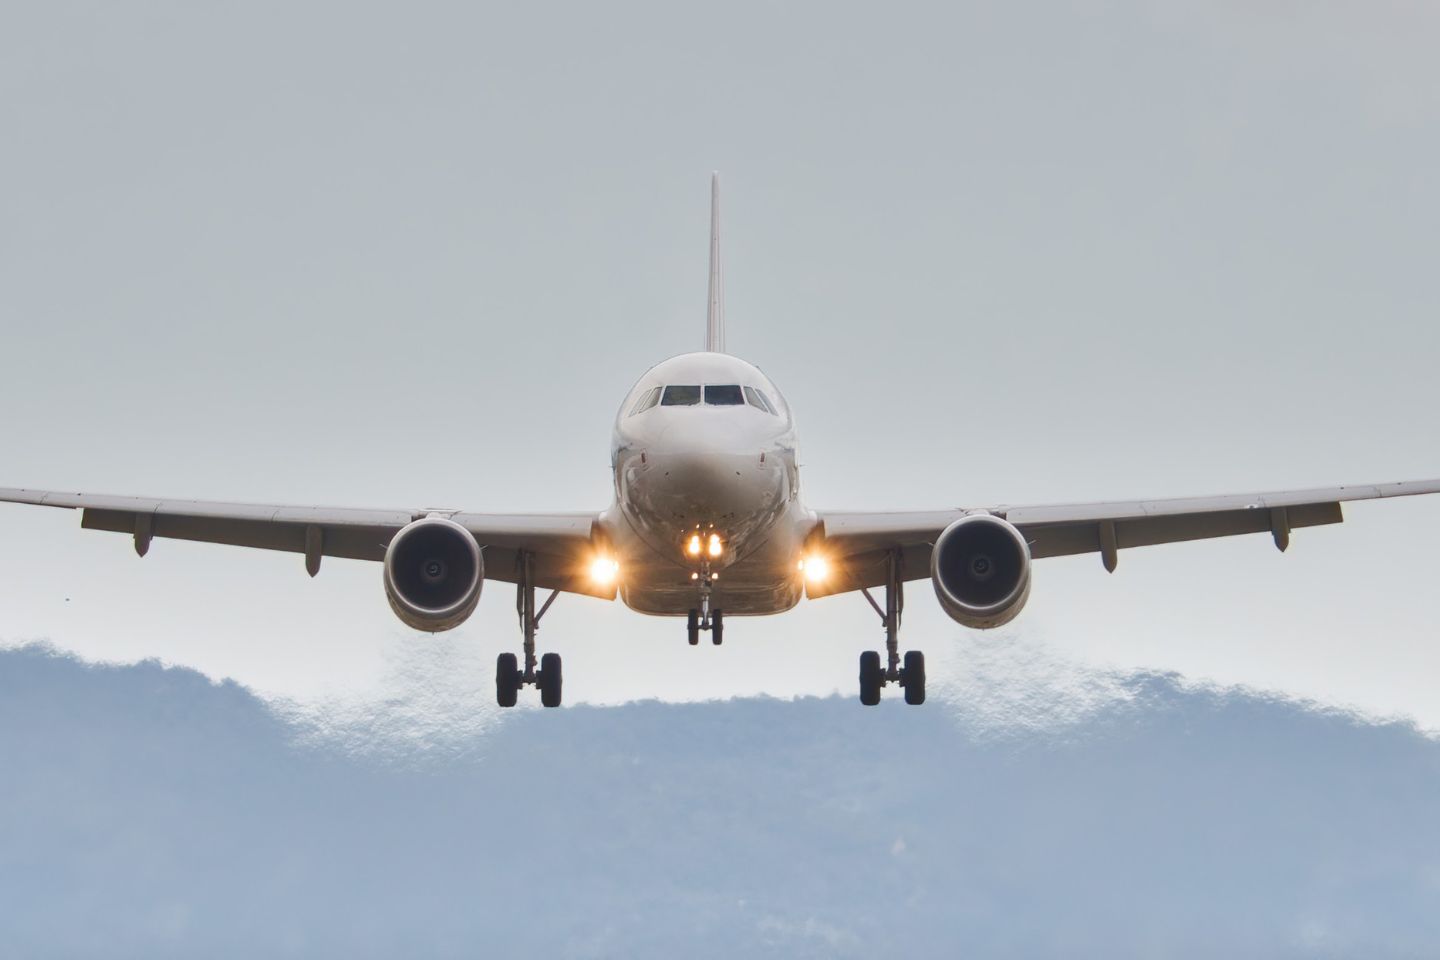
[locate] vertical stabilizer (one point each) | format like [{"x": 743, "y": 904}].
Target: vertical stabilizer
[{"x": 715, "y": 317}]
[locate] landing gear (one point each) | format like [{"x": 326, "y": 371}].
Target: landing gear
[
  {"x": 549, "y": 680},
  {"x": 696, "y": 621},
  {"x": 910, "y": 675},
  {"x": 872, "y": 678},
  {"x": 702, "y": 617},
  {"x": 509, "y": 677}
]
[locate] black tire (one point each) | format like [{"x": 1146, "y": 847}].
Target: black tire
[
  {"x": 717, "y": 627},
  {"x": 870, "y": 678},
  {"x": 692, "y": 624},
  {"x": 914, "y": 678},
  {"x": 507, "y": 679},
  {"x": 550, "y": 680}
]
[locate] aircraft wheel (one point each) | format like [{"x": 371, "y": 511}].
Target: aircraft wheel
[
  {"x": 693, "y": 626},
  {"x": 914, "y": 677},
  {"x": 507, "y": 679},
  {"x": 870, "y": 678},
  {"x": 549, "y": 680},
  {"x": 717, "y": 627}
]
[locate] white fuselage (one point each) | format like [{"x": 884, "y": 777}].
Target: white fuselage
[{"x": 722, "y": 465}]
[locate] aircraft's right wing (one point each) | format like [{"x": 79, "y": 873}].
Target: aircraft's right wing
[
  {"x": 858, "y": 544},
  {"x": 559, "y": 543}
]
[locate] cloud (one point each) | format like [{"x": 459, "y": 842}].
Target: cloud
[{"x": 435, "y": 696}]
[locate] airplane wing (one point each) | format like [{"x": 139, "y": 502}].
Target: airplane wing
[
  {"x": 560, "y": 543},
  {"x": 857, "y": 544}
]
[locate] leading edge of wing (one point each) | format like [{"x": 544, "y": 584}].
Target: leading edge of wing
[
  {"x": 905, "y": 526},
  {"x": 268, "y": 513},
  {"x": 506, "y": 528},
  {"x": 1122, "y": 510}
]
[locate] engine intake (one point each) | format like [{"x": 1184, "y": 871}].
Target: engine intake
[
  {"x": 433, "y": 574},
  {"x": 981, "y": 570}
]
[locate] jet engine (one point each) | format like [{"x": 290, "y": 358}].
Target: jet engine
[
  {"x": 981, "y": 570},
  {"x": 433, "y": 574}
]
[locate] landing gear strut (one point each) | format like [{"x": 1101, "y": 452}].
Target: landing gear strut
[
  {"x": 909, "y": 673},
  {"x": 702, "y": 617},
  {"x": 509, "y": 677}
]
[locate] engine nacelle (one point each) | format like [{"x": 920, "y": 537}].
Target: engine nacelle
[
  {"x": 981, "y": 570},
  {"x": 433, "y": 574}
]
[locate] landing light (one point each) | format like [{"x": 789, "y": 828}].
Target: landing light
[
  {"x": 815, "y": 569},
  {"x": 693, "y": 548},
  {"x": 715, "y": 546},
  {"x": 604, "y": 570}
]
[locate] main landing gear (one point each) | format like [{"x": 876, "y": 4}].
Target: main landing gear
[
  {"x": 702, "y": 617},
  {"x": 509, "y": 678},
  {"x": 909, "y": 673}
]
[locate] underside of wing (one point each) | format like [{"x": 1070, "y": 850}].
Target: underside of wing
[
  {"x": 559, "y": 544},
  {"x": 858, "y": 545}
]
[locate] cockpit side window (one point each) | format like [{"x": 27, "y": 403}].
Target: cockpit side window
[
  {"x": 647, "y": 400},
  {"x": 758, "y": 399},
  {"x": 724, "y": 395},
  {"x": 680, "y": 396}
]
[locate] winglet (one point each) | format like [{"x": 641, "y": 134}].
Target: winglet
[{"x": 715, "y": 317}]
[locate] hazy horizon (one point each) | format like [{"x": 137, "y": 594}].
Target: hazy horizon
[{"x": 182, "y": 817}]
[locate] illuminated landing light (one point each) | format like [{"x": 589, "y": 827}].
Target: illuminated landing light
[
  {"x": 716, "y": 547},
  {"x": 693, "y": 547},
  {"x": 815, "y": 569},
  {"x": 604, "y": 570}
]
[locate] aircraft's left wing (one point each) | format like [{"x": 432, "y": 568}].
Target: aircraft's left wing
[
  {"x": 560, "y": 543},
  {"x": 857, "y": 545}
]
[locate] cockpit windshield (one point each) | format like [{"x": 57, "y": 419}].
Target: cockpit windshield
[
  {"x": 724, "y": 395},
  {"x": 711, "y": 394},
  {"x": 678, "y": 396}
]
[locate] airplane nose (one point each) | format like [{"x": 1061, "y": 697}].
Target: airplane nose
[
  {"x": 703, "y": 477},
  {"x": 687, "y": 487}
]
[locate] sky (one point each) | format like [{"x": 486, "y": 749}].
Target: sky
[
  {"x": 386, "y": 255},
  {"x": 1149, "y": 820}
]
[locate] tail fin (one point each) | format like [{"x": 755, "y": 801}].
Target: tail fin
[{"x": 715, "y": 318}]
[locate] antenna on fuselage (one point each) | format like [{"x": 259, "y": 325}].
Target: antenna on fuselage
[{"x": 715, "y": 317}]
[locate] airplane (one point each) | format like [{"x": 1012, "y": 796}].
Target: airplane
[{"x": 706, "y": 523}]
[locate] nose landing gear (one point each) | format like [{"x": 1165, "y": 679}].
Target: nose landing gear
[
  {"x": 715, "y": 623},
  {"x": 909, "y": 673},
  {"x": 509, "y": 677},
  {"x": 703, "y": 617}
]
